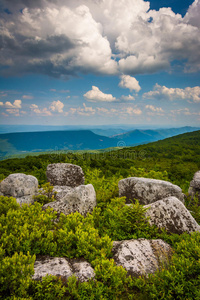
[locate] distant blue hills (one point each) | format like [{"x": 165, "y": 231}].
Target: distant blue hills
[{"x": 69, "y": 140}]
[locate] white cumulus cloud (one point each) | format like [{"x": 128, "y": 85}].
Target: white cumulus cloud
[
  {"x": 130, "y": 83},
  {"x": 162, "y": 92},
  {"x": 41, "y": 112},
  {"x": 8, "y": 104},
  {"x": 95, "y": 95},
  {"x": 57, "y": 106}
]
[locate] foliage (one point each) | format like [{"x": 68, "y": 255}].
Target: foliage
[
  {"x": 7, "y": 203},
  {"x": 15, "y": 273},
  {"x": 46, "y": 194},
  {"x": 76, "y": 237},
  {"x": 27, "y": 229},
  {"x": 122, "y": 222},
  {"x": 193, "y": 206}
]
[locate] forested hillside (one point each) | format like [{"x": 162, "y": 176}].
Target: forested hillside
[
  {"x": 23, "y": 143},
  {"x": 177, "y": 156},
  {"x": 28, "y": 232}
]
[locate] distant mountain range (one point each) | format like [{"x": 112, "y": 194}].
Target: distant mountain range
[{"x": 25, "y": 142}]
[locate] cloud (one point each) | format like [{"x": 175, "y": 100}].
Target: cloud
[
  {"x": 13, "y": 111},
  {"x": 57, "y": 106},
  {"x": 57, "y": 41},
  {"x": 65, "y": 38},
  {"x": 127, "y": 98},
  {"x": 154, "y": 109},
  {"x": 184, "y": 111},
  {"x": 95, "y": 95},
  {"x": 8, "y": 104},
  {"x": 27, "y": 97},
  {"x": 43, "y": 112},
  {"x": 162, "y": 92},
  {"x": 130, "y": 83},
  {"x": 82, "y": 111},
  {"x": 4, "y": 114},
  {"x": 132, "y": 111}
]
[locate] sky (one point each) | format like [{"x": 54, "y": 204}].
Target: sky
[{"x": 100, "y": 62}]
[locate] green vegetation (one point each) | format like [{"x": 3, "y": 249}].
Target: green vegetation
[{"x": 27, "y": 231}]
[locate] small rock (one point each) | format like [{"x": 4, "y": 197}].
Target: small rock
[
  {"x": 20, "y": 186},
  {"x": 65, "y": 174},
  {"x": 195, "y": 186},
  {"x": 81, "y": 199},
  {"x": 62, "y": 267},
  {"x": 171, "y": 214},
  {"x": 148, "y": 190},
  {"x": 141, "y": 257}
]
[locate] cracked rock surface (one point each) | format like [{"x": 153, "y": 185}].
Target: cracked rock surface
[
  {"x": 170, "y": 213},
  {"x": 64, "y": 174},
  {"x": 62, "y": 267},
  {"x": 148, "y": 190},
  {"x": 141, "y": 256},
  {"x": 81, "y": 199}
]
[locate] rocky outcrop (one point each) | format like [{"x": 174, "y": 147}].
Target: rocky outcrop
[
  {"x": 148, "y": 190},
  {"x": 141, "y": 257},
  {"x": 194, "y": 188},
  {"x": 63, "y": 268},
  {"x": 70, "y": 200},
  {"x": 63, "y": 174},
  {"x": 20, "y": 186},
  {"x": 171, "y": 214}
]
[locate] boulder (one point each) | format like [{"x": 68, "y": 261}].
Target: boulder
[
  {"x": 81, "y": 199},
  {"x": 65, "y": 174},
  {"x": 63, "y": 268},
  {"x": 195, "y": 186},
  {"x": 20, "y": 186},
  {"x": 171, "y": 214},
  {"x": 141, "y": 257},
  {"x": 148, "y": 190}
]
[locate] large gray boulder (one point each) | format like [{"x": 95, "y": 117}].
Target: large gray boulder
[
  {"x": 69, "y": 200},
  {"x": 20, "y": 186},
  {"x": 148, "y": 190},
  {"x": 171, "y": 214},
  {"x": 195, "y": 186},
  {"x": 65, "y": 174},
  {"x": 141, "y": 257},
  {"x": 63, "y": 268}
]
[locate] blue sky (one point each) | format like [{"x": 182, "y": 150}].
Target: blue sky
[{"x": 93, "y": 62}]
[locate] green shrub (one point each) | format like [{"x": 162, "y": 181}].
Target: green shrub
[
  {"x": 106, "y": 188},
  {"x": 8, "y": 203},
  {"x": 76, "y": 236},
  {"x": 141, "y": 172},
  {"x": 50, "y": 287},
  {"x": 28, "y": 229},
  {"x": 47, "y": 194},
  {"x": 120, "y": 221},
  {"x": 15, "y": 274},
  {"x": 193, "y": 206}
]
